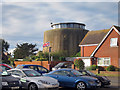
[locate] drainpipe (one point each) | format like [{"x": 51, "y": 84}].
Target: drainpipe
[{"x": 82, "y": 51}]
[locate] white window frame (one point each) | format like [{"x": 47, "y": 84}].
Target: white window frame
[
  {"x": 114, "y": 42},
  {"x": 103, "y": 61}
]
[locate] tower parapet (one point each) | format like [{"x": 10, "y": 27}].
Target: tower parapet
[{"x": 68, "y": 25}]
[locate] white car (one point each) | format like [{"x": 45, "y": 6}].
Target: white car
[{"x": 32, "y": 80}]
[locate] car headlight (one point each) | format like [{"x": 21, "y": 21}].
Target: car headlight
[
  {"x": 44, "y": 82},
  {"x": 4, "y": 83}
]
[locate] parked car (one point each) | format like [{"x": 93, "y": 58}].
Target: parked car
[
  {"x": 9, "y": 82},
  {"x": 32, "y": 80},
  {"x": 73, "y": 79},
  {"x": 62, "y": 65},
  {"x": 5, "y": 66},
  {"x": 103, "y": 79},
  {"x": 37, "y": 68}
]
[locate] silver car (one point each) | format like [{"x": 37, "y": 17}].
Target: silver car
[{"x": 32, "y": 80}]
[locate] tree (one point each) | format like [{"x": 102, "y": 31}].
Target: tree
[
  {"x": 78, "y": 54},
  {"x": 79, "y": 64},
  {"x": 24, "y": 50},
  {"x": 4, "y": 48}
]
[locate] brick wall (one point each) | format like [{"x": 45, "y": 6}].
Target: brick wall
[
  {"x": 45, "y": 64},
  {"x": 86, "y": 51},
  {"x": 106, "y": 51},
  {"x": 119, "y": 50}
]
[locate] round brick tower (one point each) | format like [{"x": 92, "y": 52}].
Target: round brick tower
[{"x": 65, "y": 37}]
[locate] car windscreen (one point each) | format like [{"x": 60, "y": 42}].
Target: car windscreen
[
  {"x": 19, "y": 66},
  {"x": 59, "y": 65},
  {"x": 90, "y": 73},
  {"x": 31, "y": 73},
  {"x": 76, "y": 73}
]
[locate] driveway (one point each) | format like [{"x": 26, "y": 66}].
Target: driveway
[{"x": 115, "y": 82}]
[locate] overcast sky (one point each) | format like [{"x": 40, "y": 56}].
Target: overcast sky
[{"x": 26, "y": 22}]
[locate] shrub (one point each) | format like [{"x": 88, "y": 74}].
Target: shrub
[
  {"x": 87, "y": 68},
  {"x": 62, "y": 58},
  {"x": 111, "y": 68},
  {"x": 117, "y": 69},
  {"x": 93, "y": 67},
  {"x": 79, "y": 64},
  {"x": 101, "y": 68}
]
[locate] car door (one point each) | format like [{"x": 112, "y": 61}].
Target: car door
[
  {"x": 65, "y": 78},
  {"x": 21, "y": 76}
]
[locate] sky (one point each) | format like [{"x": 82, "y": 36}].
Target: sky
[{"x": 26, "y": 22}]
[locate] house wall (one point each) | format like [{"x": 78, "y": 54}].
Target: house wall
[
  {"x": 106, "y": 51},
  {"x": 119, "y": 50},
  {"x": 86, "y": 51}
]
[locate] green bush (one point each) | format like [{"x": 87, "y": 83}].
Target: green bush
[
  {"x": 93, "y": 67},
  {"x": 78, "y": 54},
  {"x": 79, "y": 64},
  {"x": 117, "y": 69},
  {"x": 87, "y": 68},
  {"x": 111, "y": 68},
  {"x": 62, "y": 58},
  {"x": 101, "y": 68}
]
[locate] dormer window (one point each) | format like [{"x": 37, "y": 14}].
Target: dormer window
[{"x": 113, "y": 42}]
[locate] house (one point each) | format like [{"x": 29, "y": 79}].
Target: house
[{"x": 102, "y": 47}]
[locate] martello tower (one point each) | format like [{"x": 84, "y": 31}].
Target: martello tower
[{"x": 65, "y": 37}]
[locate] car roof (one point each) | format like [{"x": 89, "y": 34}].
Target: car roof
[
  {"x": 4, "y": 64},
  {"x": 28, "y": 65},
  {"x": 66, "y": 69},
  {"x": 20, "y": 69},
  {"x": 18, "y": 66}
]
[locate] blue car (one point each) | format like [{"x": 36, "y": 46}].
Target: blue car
[
  {"x": 37, "y": 68},
  {"x": 74, "y": 79}
]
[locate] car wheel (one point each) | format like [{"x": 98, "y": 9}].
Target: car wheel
[
  {"x": 32, "y": 87},
  {"x": 80, "y": 86}
]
